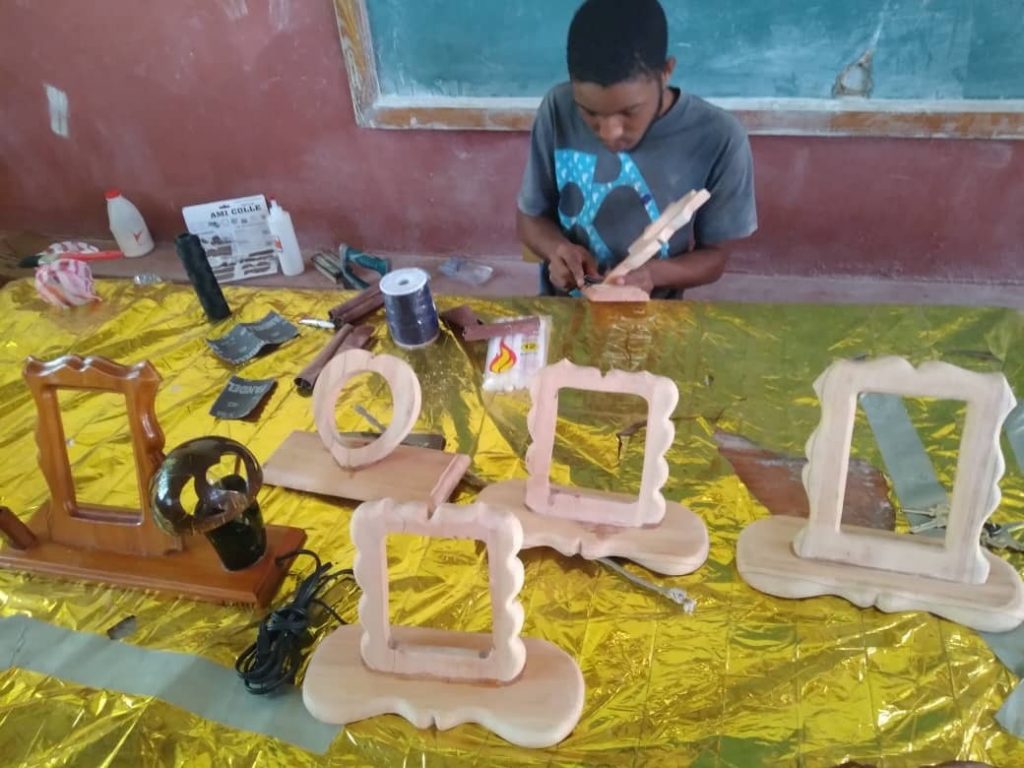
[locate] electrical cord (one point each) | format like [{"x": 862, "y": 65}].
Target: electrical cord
[{"x": 276, "y": 656}]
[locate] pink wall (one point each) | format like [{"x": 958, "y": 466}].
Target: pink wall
[{"x": 193, "y": 100}]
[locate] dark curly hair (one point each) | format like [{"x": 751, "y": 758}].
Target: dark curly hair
[{"x": 611, "y": 41}]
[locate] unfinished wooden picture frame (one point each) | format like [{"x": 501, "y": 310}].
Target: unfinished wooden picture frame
[
  {"x": 406, "y": 401},
  {"x": 504, "y": 656},
  {"x": 656, "y": 236},
  {"x": 115, "y": 545},
  {"x": 542, "y": 497},
  {"x": 662, "y": 535},
  {"x": 526, "y": 690},
  {"x": 326, "y": 463},
  {"x": 954, "y": 577}
]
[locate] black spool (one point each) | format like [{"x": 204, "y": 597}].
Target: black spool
[{"x": 412, "y": 315}]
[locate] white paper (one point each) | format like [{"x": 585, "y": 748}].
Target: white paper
[{"x": 235, "y": 236}]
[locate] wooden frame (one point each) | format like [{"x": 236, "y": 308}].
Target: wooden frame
[
  {"x": 657, "y": 234},
  {"x": 648, "y": 508},
  {"x": 127, "y": 531},
  {"x": 502, "y": 536},
  {"x": 959, "y": 119},
  {"x": 406, "y": 401},
  {"x": 975, "y": 489},
  {"x": 528, "y": 691},
  {"x": 661, "y": 535},
  {"x": 124, "y": 547},
  {"x": 955, "y": 577},
  {"x": 364, "y": 470}
]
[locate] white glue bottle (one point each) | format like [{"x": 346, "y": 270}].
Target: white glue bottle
[
  {"x": 127, "y": 226},
  {"x": 285, "y": 243}
]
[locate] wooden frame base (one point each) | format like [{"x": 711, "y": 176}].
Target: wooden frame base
[
  {"x": 675, "y": 546},
  {"x": 339, "y": 688},
  {"x": 766, "y": 561},
  {"x": 194, "y": 572},
  {"x": 408, "y": 473}
]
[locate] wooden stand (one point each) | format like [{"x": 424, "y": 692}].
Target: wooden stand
[
  {"x": 539, "y": 709},
  {"x": 302, "y": 463},
  {"x": 118, "y": 546},
  {"x": 529, "y": 692},
  {"x": 954, "y": 578},
  {"x": 365, "y": 470},
  {"x": 767, "y": 562},
  {"x": 663, "y": 536},
  {"x": 194, "y": 572},
  {"x": 677, "y": 545}
]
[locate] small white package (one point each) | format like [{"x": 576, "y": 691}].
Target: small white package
[{"x": 513, "y": 359}]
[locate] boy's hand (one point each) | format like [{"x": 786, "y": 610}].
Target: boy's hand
[
  {"x": 569, "y": 265},
  {"x": 641, "y": 278}
]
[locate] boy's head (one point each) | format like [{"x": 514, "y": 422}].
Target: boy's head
[{"x": 619, "y": 67}]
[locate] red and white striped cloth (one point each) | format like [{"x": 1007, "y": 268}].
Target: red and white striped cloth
[{"x": 66, "y": 283}]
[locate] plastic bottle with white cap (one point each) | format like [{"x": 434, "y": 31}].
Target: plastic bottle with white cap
[
  {"x": 279, "y": 221},
  {"x": 127, "y": 225}
]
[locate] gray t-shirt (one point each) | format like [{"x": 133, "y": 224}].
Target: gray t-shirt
[{"x": 604, "y": 200}]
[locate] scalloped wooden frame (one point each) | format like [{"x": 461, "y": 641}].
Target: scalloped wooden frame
[
  {"x": 975, "y": 494},
  {"x": 542, "y": 497},
  {"x": 954, "y": 577},
  {"x": 503, "y": 537},
  {"x": 528, "y": 691}
]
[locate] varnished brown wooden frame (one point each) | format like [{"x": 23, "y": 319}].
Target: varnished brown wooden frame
[
  {"x": 960, "y": 119},
  {"x": 118, "y": 546}
]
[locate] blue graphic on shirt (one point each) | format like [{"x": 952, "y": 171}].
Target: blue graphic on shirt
[{"x": 579, "y": 168}]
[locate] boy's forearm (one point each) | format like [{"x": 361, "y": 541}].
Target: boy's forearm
[
  {"x": 540, "y": 234},
  {"x": 689, "y": 270}
]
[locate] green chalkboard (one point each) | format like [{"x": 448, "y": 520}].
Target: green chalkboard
[
  {"x": 912, "y": 68},
  {"x": 922, "y": 50}
]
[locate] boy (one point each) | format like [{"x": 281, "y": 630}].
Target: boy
[{"x": 612, "y": 148}]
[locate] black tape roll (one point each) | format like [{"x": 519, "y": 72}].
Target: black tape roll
[{"x": 197, "y": 267}]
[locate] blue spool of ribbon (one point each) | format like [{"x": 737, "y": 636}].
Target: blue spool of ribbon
[{"x": 412, "y": 315}]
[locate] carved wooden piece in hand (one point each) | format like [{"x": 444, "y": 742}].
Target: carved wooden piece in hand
[{"x": 646, "y": 247}]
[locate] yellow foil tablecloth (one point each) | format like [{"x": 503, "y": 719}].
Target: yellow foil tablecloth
[{"x": 748, "y": 680}]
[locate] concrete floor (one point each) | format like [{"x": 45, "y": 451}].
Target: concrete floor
[{"x": 514, "y": 277}]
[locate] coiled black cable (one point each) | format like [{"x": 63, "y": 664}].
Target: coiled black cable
[{"x": 276, "y": 656}]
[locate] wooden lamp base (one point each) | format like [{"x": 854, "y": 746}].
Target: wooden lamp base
[
  {"x": 767, "y": 562},
  {"x": 537, "y": 709},
  {"x": 677, "y": 545},
  {"x": 194, "y": 571}
]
